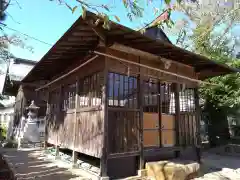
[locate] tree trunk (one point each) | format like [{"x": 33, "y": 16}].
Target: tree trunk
[{"x": 218, "y": 130}]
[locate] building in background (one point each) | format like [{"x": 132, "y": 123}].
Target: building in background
[
  {"x": 16, "y": 71},
  {"x": 6, "y": 114}
]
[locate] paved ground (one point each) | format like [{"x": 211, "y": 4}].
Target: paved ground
[
  {"x": 31, "y": 164},
  {"x": 220, "y": 167}
]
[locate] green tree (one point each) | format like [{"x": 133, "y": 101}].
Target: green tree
[
  {"x": 207, "y": 30},
  {"x": 221, "y": 99},
  {"x": 134, "y": 8}
]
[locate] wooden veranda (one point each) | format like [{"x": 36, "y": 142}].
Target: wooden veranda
[{"x": 117, "y": 95}]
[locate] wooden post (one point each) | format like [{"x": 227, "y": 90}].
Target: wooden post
[
  {"x": 160, "y": 113},
  {"x": 103, "y": 160},
  {"x": 74, "y": 153},
  {"x": 140, "y": 106},
  {"x": 177, "y": 116},
  {"x": 197, "y": 118},
  {"x": 58, "y": 114},
  {"x": 177, "y": 112},
  {"x": 46, "y": 121},
  {"x": 57, "y": 152}
]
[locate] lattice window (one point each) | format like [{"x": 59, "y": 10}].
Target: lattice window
[
  {"x": 122, "y": 90},
  {"x": 68, "y": 97},
  {"x": 152, "y": 90},
  {"x": 186, "y": 98},
  {"x": 150, "y": 93},
  {"x": 90, "y": 90},
  {"x": 54, "y": 101},
  {"x": 168, "y": 101}
]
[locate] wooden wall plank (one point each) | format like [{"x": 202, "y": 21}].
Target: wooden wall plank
[{"x": 90, "y": 128}]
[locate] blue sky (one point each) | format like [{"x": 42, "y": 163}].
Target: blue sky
[{"x": 47, "y": 21}]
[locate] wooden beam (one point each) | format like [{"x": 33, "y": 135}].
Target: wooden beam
[
  {"x": 83, "y": 34},
  {"x": 67, "y": 74},
  {"x": 74, "y": 39},
  {"x": 152, "y": 68},
  {"x": 102, "y": 35},
  {"x": 79, "y": 47},
  {"x": 69, "y": 43},
  {"x": 83, "y": 27},
  {"x": 99, "y": 33},
  {"x": 204, "y": 67}
]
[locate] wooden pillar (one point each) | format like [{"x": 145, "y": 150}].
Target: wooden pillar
[
  {"x": 46, "y": 120},
  {"x": 58, "y": 114},
  {"x": 159, "y": 101},
  {"x": 103, "y": 160},
  {"x": 74, "y": 153},
  {"x": 177, "y": 116},
  {"x": 21, "y": 107},
  {"x": 177, "y": 111},
  {"x": 140, "y": 106},
  {"x": 57, "y": 152},
  {"x": 197, "y": 118}
]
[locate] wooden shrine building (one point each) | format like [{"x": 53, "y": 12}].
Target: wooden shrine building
[{"x": 120, "y": 96}]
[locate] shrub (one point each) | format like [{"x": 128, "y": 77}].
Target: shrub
[{"x": 3, "y": 132}]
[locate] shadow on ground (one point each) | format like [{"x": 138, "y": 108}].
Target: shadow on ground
[{"x": 30, "y": 164}]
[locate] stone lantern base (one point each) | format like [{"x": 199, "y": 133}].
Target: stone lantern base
[{"x": 30, "y": 134}]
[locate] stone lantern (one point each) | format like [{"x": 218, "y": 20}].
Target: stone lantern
[
  {"x": 30, "y": 131},
  {"x": 32, "y": 112}
]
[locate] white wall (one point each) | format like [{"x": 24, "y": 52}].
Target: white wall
[
  {"x": 6, "y": 115},
  {"x": 6, "y": 119}
]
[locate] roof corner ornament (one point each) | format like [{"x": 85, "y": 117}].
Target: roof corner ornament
[{"x": 167, "y": 64}]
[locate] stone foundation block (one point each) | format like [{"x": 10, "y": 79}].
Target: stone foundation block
[
  {"x": 104, "y": 178},
  {"x": 163, "y": 170},
  {"x": 142, "y": 173}
]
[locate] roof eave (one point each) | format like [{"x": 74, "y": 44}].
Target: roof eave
[{"x": 186, "y": 57}]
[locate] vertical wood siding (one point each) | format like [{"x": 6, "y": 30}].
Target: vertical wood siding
[
  {"x": 89, "y": 135},
  {"x": 78, "y": 128}
]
